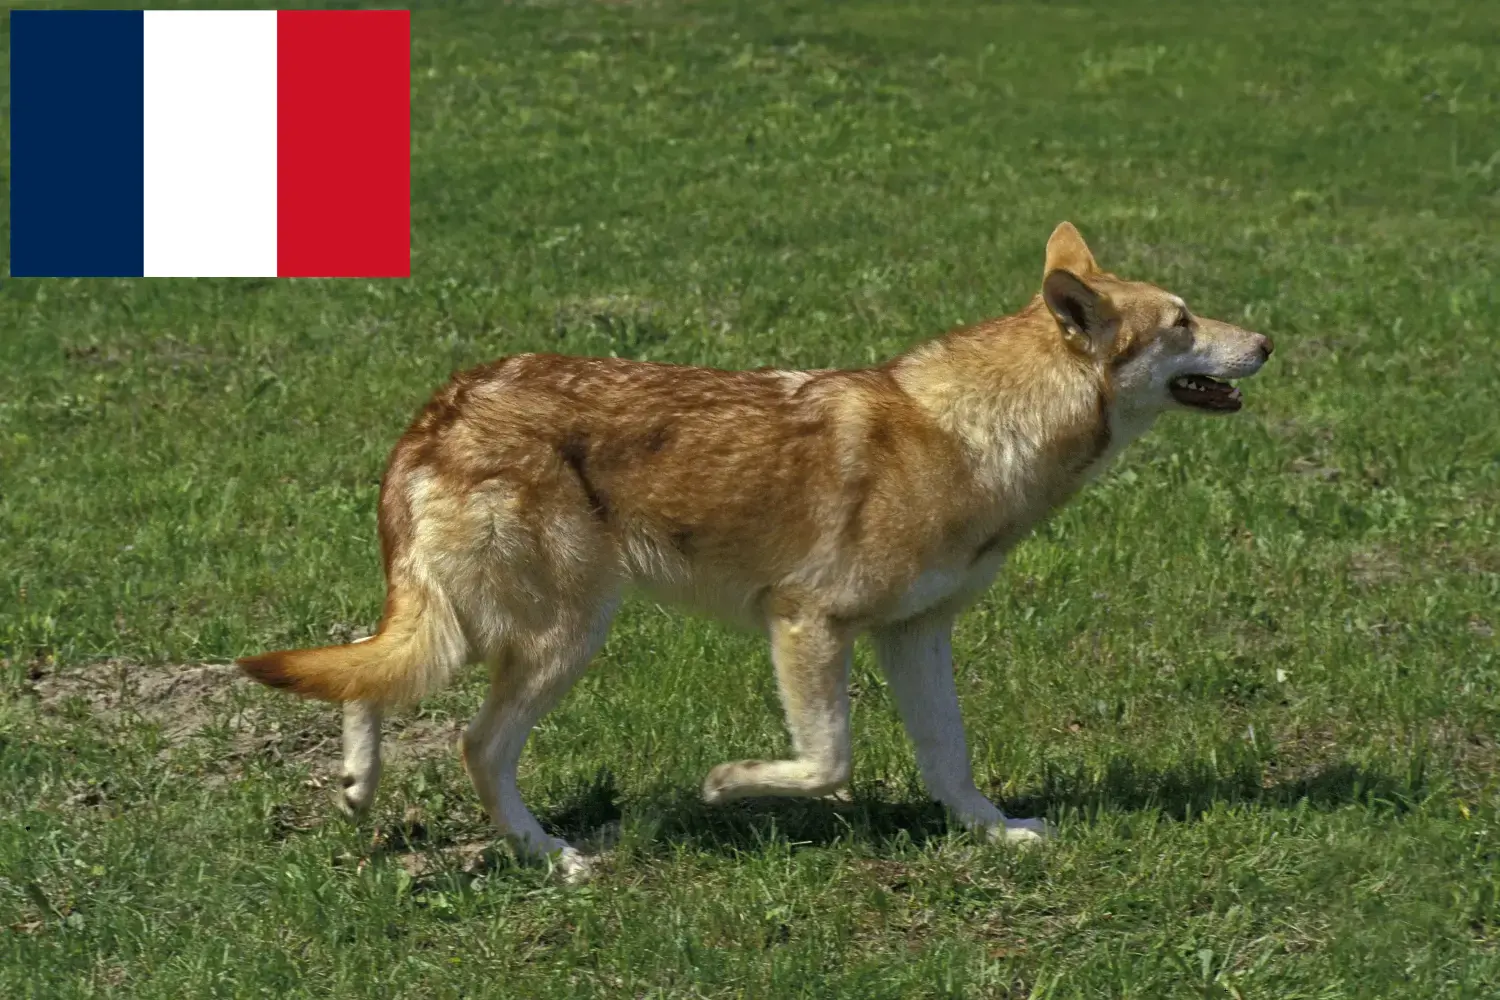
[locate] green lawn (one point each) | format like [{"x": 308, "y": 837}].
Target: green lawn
[{"x": 1252, "y": 674}]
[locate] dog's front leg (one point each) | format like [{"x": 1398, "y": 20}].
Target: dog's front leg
[
  {"x": 917, "y": 660},
  {"x": 811, "y": 655}
]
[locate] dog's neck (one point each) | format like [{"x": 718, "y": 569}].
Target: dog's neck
[{"x": 1035, "y": 419}]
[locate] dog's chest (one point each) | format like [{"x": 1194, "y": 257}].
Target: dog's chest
[{"x": 950, "y": 586}]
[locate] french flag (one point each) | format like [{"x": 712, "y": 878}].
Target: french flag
[{"x": 210, "y": 143}]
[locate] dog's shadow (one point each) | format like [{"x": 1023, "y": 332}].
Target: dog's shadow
[{"x": 877, "y": 816}]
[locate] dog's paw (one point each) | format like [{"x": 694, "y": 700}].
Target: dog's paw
[
  {"x": 355, "y": 797},
  {"x": 575, "y": 867},
  {"x": 720, "y": 784},
  {"x": 1022, "y": 832}
]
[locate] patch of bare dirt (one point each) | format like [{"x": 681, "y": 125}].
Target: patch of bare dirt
[
  {"x": 1471, "y": 752},
  {"x": 408, "y": 843},
  {"x": 473, "y": 858},
  {"x": 1302, "y": 751},
  {"x": 1374, "y": 566},
  {"x": 1313, "y": 468},
  {"x": 422, "y": 736},
  {"x": 187, "y": 700},
  {"x": 1475, "y": 560},
  {"x": 182, "y": 700},
  {"x": 1379, "y": 564}
]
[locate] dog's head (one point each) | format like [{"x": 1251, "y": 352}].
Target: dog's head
[{"x": 1154, "y": 352}]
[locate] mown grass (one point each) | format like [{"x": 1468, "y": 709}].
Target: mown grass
[{"x": 1252, "y": 675}]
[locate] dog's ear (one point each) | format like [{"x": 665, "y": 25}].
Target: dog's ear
[
  {"x": 1066, "y": 251},
  {"x": 1086, "y": 316}
]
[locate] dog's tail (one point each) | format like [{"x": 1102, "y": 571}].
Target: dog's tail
[{"x": 417, "y": 648}]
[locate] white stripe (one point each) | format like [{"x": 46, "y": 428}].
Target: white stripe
[{"x": 210, "y": 124}]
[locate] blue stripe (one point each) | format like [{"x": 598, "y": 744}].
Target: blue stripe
[{"x": 76, "y": 143}]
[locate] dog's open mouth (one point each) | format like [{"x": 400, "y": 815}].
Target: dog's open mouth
[{"x": 1205, "y": 393}]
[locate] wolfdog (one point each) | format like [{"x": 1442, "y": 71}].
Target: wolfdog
[{"x": 813, "y": 505}]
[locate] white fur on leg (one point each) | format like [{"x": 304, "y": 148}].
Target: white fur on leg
[
  {"x": 917, "y": 660},
  {"x": 361, "y": 756},
  {"x": 812, "y": 670},
  {"x": 492, "y": 751},
  {"x": 493, "y": 742}
]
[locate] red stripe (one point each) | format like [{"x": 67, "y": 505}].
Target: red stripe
[{"x": 343, "y": 134}]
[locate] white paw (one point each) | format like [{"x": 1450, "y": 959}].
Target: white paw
[
  {"x": 1025, "y": 832},
  {"x": 719, "y": 786},
  {"x": 575, "y": 866},
  {"x": 355, "y": 798}
]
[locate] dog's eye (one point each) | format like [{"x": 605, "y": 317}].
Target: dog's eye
[{"x": 1183, "y": 320}]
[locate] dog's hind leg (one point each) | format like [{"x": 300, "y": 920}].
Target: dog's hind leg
[
  {"x": 361, "y": 756},
  {"x": 527, "y": 679},
  {"x": 812, "y": 669},
  {"x": 917, "y": 660}
]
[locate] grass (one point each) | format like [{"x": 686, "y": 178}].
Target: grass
[{"x": 1252, "y": 674}]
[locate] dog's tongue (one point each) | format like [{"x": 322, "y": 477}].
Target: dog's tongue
[{"x": 1209, "y": 393}]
